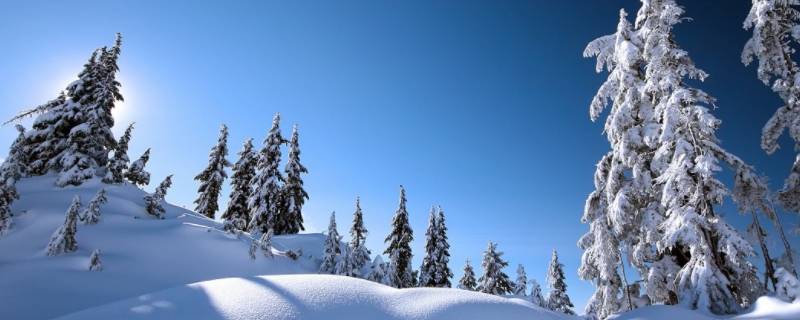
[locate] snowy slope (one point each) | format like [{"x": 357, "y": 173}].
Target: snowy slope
[
  {"x": 314, "y": 297},
  {"x": 765, "y": 308},
  {"x": 140, "y": 254}
]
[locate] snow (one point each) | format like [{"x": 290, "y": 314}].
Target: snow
[
  {"x": 140, "y": 254},
  {"x": 764, "y": 308},
  {"x": 314, "y": 297}
]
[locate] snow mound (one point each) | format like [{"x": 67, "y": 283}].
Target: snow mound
[
  {"x": 314, "y": 297},
  {"x": 765, "y": 308},
  {"x": 140, "y": 254}
]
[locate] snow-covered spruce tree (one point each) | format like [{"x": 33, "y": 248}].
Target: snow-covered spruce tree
[
  {"x": 265, "y": 243},
  {"x": 11, "y": 170},
  {"x": 94, "y": 261},
  {"x": 266, "y": 201},
  {"x": 536, "y": 294},
  {"x": 63, "y": 239},
  {"x": 521, "y": 285},
  {"x": 557, "y": 299},
  {"x": 294, "y": 194},
  {"x": 623, "y": 212},
  {"x": 19, "y": 155},
  {"x": 359, "y": 254},
  {"x": 91, "y": 215},
  {"x": 115, "y": 172},
  {"x": 774, "y": 42},
  {"x": 212, "y": 177},
  {"x": 494, "y": 280},
  {"x": 399, "y": 246},
  {"x": 48, "y": 135},
  {"x": 443, "y": 273},
  {"x": 136, "y": 173},
  {"x": 333, "y": 248},
  {"x": 467, "y": 281},
  {"x": 153, "y": 202},
  {"x": 6, "y": 198},
  {"x": 344, "y": 266},
  {"x": 427, "y": 271},
  {"x": 788, "y": 287},
  {"x": 715, "y": 274},
  {"x": 237, "y": 215},
  {"x": 377, "y": 271}
]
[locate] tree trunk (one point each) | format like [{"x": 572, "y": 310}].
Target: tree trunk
[{"x": 769, "y": 272}]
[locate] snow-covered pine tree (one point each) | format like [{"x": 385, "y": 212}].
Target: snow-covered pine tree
[
  {"x": 788, "y": 287},
  {"x": 521, "y": 285},
  {"x": 344, "y": 266},
  {"x": 377, "y": 271},
  {"x": 153, "y": 202},
  {"x": 332, "y": 248},
  {"x": 293, "y": 192},
  {"x": 136, "y": 173},
  {"x": 212, "y": 177},
  {"x": 115, "y": 172},
  {"x": 94, "y": 261},
  {"x": 557, "y": 300},
  {"x": 47, "y": 138},
  {"x": 63, "y": 239},
  {"x": 5, "y": 210},
  {"x": 359, "y": 254},
  {"x": 11, "y": 170},
  {"x": 237, "y": 215},
  {"x": 494, "y": 280},
  {"x": 265, "y": 243},
  {"x": 623, "y": 212},
  {"x": 715, "y": 274},
  {"x": 427, "y": 271},
  {"x": 91, "y": 215},
  {"x": 467, "y": 281},
  {"x": 536, "y": 294},
  {"x": 773, "y": 44},
  {"x": 19, "y": 155},
  {"x": 443, "y": 273},
  {"x": 265, "y": 202},
  {"x": 399, "y": 246}
]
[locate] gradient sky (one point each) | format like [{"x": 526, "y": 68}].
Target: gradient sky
[{"x": 478, "y": 106}]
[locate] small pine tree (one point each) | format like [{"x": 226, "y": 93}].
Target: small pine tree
[
  {"x": 494, "y": 280},
  {"x": 94, "y": 261},
  {"x": 115, "y": 172},
  {"x": 521, "y": 285},
  {"x": 265, "y": 202},
  {"x": 332, "y": 248},
  {"x": 136, "y": 173},
  {"x": 443, "y": 273},
  {"x": 427, "y": 277},
  {"x": 237, "y": 215},
  {"x": 153, "y": 202},
  {"x": 213, "y": 176},
  {"x": 377, "y": 271},
  {"x": 91, "y": 215},
  {"x": 536, "y": 294},
  {"x": 558, "y": 300},
  {"x": 63, "y": 239},
  {"x": 344, "y": 266},
  {"x": 467, "y": 281},
  {"x": 266, "y": 243},
  {"x": 399, "y": 246},
  {"x": 359, "y": 255},
  {"x": 293, "y": 192}
]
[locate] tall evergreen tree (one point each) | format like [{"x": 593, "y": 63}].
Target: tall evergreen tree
[
  {"x": 154, "y": 202},
  {"x": 212, "y": 177},
  {"x": 536, "y": 294},
  {"x": 115, "y": 172},
  {"x": 427, "y": 271},
  {"x": 293, "y": 192},
  {"x": 11, "y": 170},
  {"x": 359, "y": 254},
  {"x": 773, "y": 44},
  {"x": 237, "y": 215},
  {"x": 494, "y": 280},
  {"x": 265, "y": 202},
  {"x": 558, "y": 300},
  {"x": 6, "y": 198},
  {"x": 91, "y": 215},
  {"x": 333, "y": 248},
  {"x": 443, "y": 273},
  {"x": 521, "y": 285},
  {"x": 136, "y": 173},
  {"x": 63, "y": 239},
  {"x": 399, "y": 246},
  {"x": 467, "y": 281}
]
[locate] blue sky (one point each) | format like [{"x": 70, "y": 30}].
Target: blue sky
[{"x": 478, "y": 106}]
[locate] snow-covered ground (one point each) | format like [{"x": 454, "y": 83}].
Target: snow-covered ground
[
  {"x": 185, "y": 267},
  {"x": 314, "y": 297}
]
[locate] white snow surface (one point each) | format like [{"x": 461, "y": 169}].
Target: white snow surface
[{"x": 312, "y": 297}]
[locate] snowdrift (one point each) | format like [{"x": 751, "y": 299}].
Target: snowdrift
[
  {"x": 140, "y": 254},
  {"x": 314, "y": 297},
  {"x": 765, "y": 308}
]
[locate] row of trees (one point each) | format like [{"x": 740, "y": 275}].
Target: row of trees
[
  {"x": 353, "y": 259},
  {"x": 656, "y": 190}
]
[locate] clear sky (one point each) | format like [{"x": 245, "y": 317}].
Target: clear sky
[{"x": 478, "y": 106}]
